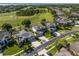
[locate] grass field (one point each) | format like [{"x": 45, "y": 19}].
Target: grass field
[{"x": 15, "y": 20}]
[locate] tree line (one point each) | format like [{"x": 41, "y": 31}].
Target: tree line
[
  {"x": 10, "y": 8},
  {"x": 30, "y": 11}
]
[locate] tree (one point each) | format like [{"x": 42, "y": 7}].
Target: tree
[
  {"x": 7, "y": 27},
  {"x": 43, "y": 21},
  {"x": 26, "y": 23}
]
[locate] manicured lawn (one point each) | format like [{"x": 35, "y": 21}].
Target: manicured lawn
[
  {"x": 37, "y": 18},
  {"x": 50, "y": 46},
  {"x": 69, "y": 39},
  {"x": 12, "y": 50},
  {"x": 75, "y": 28},
  {"x": 48, "y": 35},
  {"x": 53, "y": 51},
  {"x": 15, "y": 49},
  {"x": 64, "y": 30}
]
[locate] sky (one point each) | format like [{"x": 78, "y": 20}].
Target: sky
[{"x": 39, "y": 1}]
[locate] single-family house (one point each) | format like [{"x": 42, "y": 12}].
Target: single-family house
[
  {"x": 2, "y": 46},
  {"x": 75, "y": 48},
  {"x": 51, "y": 26},
  {"x": 23, "y": 36},
  {"x": 75, "y": 15},
  {"x": 3, "y": 33},
  {"x": 40, "y": 30},
  {"x": 5, "y": 40},
  {"x": 59, "y": 13},
  {"x": 62, "y": 21},
  {"x": 63, "y": 52}
]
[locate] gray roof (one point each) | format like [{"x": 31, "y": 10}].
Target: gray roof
[
  {"x": 63, "y": 21},
  {"x": 3, "y": 34},
  {"x": 59, "y": 12},
  {"x": 24, "y": 34},
  {"x": 39, "y": 27}
]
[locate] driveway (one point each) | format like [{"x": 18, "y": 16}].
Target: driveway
[
  {"x": 43, "y": 52},
  {"x": 35, "y": 44},
  {"x": 43, "y": 39}
]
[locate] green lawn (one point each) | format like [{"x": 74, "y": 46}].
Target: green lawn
[
  {"x": 12, "y": 50},
  {"x": 69, "y": 39},
  {"x": 15, "y": 49},
  {"x": 48, "y": 35},
  {"x": 14, "y": 20},
  {"x": 64, "y": 30},
  {"x": 53, "y": 51}
]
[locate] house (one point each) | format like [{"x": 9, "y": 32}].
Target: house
[
  {"x": 3, "y": 33},
  {"x": 63, "y": 52},
  {"x": 75, "y": 15},
  {"x": 23, "y": 36},
  {"x": 59, "y": 12},
  {"x": 75, "y": 48},
  {"x": 76, "y": 23},
  {"x": 5, "y": 40},
  {"x": 1, "y": 46},
  {"x": 4, "y": 43},
  {"x": 40, "y": 30},
  {"x": 51, "y": 26},
  {"x": 62, "y": 21}
]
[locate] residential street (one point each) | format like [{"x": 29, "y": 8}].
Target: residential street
[{"x": 41, "y": 47}]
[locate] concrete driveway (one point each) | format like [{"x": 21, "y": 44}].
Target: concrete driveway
[{"x": 43, "y": 39}]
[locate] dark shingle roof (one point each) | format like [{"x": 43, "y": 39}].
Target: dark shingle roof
[{"x": 63, "y": 21}]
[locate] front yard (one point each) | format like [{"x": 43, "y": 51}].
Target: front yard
[
  {"x": 12, "y": 50},
  {"x": 48, "y": 35},
  {"x": 53, "y": 49},
  {"x": 15, "y": 49}
]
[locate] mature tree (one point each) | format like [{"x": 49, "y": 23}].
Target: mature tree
[
  {"x": 7, "y": 27},
  {"x": 26, "y": 23},
  {"x": 26, "y": 12},
  {"x": 43, "y": 21}
]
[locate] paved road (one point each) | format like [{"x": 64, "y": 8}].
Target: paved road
[{"x": 39, "y": 48}]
